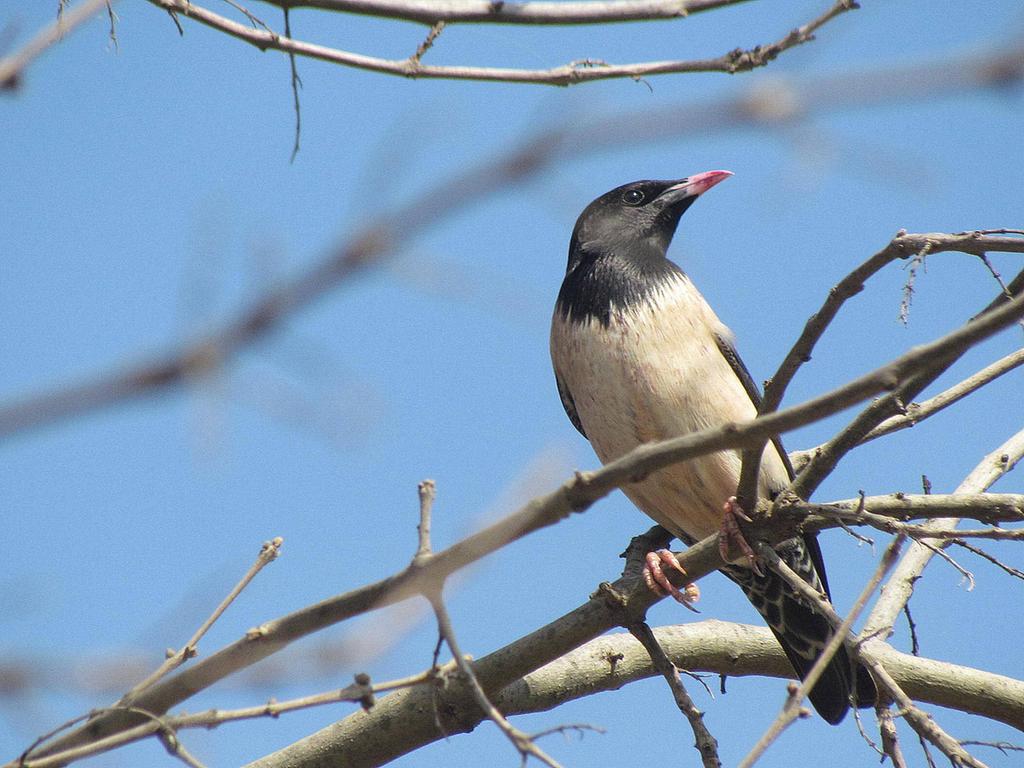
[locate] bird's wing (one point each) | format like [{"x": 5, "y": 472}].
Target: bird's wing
[
  {"x": 740, "y": 369},
  {"x": 568, "y": 403}
]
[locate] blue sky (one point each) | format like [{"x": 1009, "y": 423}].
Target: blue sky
[{"x": 146, "y": 193}]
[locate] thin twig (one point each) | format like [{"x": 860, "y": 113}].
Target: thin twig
[
  {"x": 176, "y": 749},
  {"x": 792, "y": 708},
  {"x": 360, "y": 691},
  {"x": 800, "y": 353},
  {"x": 915, "y": 645},
  {"x": 1002, "y": 746},
  {"x": 520, "y": 740},
  {"x": 890, "y": 738},
  {"x": 966, "y": 575},
  {"x": 427, "y": 491},
  {"x": 296, "y": 84},
  {"x": 253, "y": 18},
  {"x": 925, "y": 726},
  {"x": 268, "y": 553},
  {"x": 917, "y": 260},
  {"x": 918, "y": 412},
  {"x": 13, "y": 65},
  {"x": 1015, "y": 572},
  {"x": 428, "y": 42},
  {"x": 926, "y": 751},
  {"x": 705, "y": 743},
  {"x": 864, "y": 734},
  {"x": 900, "y": 586},
  {"x": 983, "y": 507},
  {"x": 832, "y": 452},
  {"x": 112, "y": 18}
]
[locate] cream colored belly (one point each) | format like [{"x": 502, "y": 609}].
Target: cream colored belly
[{"x": 655, "y": 374}]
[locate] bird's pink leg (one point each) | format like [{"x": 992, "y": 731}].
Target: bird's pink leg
[
  {"x": 658, "y": 583},
  {"x": 730, "y": 532}
]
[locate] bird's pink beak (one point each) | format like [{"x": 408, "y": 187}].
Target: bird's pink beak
[{"x": 698, "y": 184}]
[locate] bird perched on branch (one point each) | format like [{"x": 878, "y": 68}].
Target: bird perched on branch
[{"x": 639, "y": 356}]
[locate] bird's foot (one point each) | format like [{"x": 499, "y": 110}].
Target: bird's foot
[
  {"x": 730, "y": 533},
  {"x": 658, "y": 583}
]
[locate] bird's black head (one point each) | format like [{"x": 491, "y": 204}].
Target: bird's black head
[
  {"x": 617, "y": 252},
  {"x": 638, "y": 218}
]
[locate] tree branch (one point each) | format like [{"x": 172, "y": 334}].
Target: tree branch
[
  {"x": 487, "y": 11},
  {"x": 900, "y": 585},
  {"x": 609, "y": 662},
  {"x": 737, "y": 60},
  {"x": 12, "y": 66},
  {"x": 573, "y": 496}
]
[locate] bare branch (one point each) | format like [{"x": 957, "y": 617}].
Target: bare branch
[
  {"x": 924, "y": 725},
  {"x": 737, "y": 60},
  {"x": 573, "y": 496},
  {"x": 918, "y": 412},
  {"x": 427, "y": 490},
  {"x": 792, "y": 709},
  {"x": 609, "y": 662},
  {"x": 488, "y": 11},
  {"x": 296, "y": 83},
  {"x": 890, "y": 741},
  {"x": 903, "y": 246},
  {"x": 1015, "y": 572},
  {"x": 268, "y": 553},
  {"x": 522, "y": 741},
  {"x": 428, "y": 42},
  {"x": 983, "y": 507},
  {"x": 900, "y": 586},
  {"x": 360, "y": 691},
  {"x": 12, "y": 66},
  {"x": 706, "y": 744}
]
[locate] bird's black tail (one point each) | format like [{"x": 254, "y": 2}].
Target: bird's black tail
[{"x": 803, "y": 632}]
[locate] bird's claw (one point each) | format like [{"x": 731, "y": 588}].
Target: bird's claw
[
  {"x": 658, "y": 583},
  {"x": 730, "y": 532}
]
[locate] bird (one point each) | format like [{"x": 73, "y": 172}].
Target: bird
[{"x": 640, "y": 356}]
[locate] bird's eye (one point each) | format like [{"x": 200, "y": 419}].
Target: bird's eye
[{"x": 633, "y": 197}]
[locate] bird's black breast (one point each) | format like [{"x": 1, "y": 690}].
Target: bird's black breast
[{"x": 600, "y": 283}]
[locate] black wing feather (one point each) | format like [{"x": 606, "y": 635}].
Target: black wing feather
[
  {"x": 569, "y": 404},
  {"x": 801, "y": 630}
]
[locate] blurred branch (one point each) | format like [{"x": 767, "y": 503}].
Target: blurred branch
[
  {"x": 12, "y": 66},
  {"x": 765, "y": 105},
  {"x": 580, "y": 71}
]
